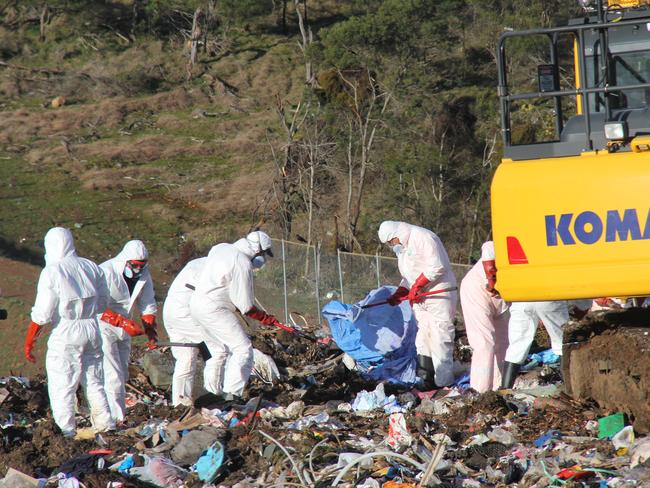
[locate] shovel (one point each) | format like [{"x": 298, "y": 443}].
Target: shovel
[
  {"x": 202, "y": 347},
  {"x": 353, "y": 313}
]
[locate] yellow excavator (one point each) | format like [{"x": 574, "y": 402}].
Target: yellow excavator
[{"x": 571, "y": 214}]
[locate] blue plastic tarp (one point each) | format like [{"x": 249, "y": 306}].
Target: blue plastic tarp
[{"x": 380, "y": 339}]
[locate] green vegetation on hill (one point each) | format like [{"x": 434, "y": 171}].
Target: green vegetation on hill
[{"x": 372, "y": 110}]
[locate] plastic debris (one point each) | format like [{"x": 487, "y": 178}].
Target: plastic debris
[
  {"x": 346, "y": 458},
  {"x": 381, "y": 339},
  {"x": 547, "y": 438},
  {"x": 209, "y": 464},
  {"x": 623, "y": 440},
  {"x": 610, "y": 425},
  {"x": 398, "y": 434}
]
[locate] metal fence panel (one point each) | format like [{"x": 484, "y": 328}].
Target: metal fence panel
[{"x": 303, "y": 279}]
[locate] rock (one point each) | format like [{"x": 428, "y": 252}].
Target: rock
[
  {"x": 58, "y": 102},
  {"x": 191, "y": 445},
  {"x": 159, "y": 367},
  {"x": 16, "y": 479}
]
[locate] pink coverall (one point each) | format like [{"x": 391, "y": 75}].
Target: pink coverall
[{"x": 486, "y": 322}]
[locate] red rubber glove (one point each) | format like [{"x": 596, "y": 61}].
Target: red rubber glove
[
  {"x": 117, "y": 320},
  {"x": 149, "y": 322},
  {"x": 33, "y": 332},
  {"x": 262, "y": 316},
  {"x": 416, "y": 289},
  {"x": 267, "y": 319},
  {"x": 490, "y": 268},
  {"x": 607, "y": 302},
  {"x": 396, "y": 298}
]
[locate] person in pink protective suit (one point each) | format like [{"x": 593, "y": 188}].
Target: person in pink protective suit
[
  {"x": 486, "y": 321},
  {"x": 424, "y": 266}
]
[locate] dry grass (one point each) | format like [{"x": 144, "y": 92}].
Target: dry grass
[
  {"x": 124, "y": 178},
  {"x": 21, "y": 126},
  {"x": 122, "y": 152}
]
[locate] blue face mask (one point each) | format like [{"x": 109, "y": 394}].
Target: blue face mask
[
  {"x": 258, "y": 262},
  {"x": 133, "y": 271},
  {"x": 397, "y": 249}
]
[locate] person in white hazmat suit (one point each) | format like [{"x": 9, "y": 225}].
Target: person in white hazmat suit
[
  {"x": 524, "y": 317},
  {"x": 71, "y": 292},
  {"x": 180, "y": 327},
  {"x": 424, "y": 266},
  {"x": 224, "y": 289},
  {"x": 130, "y": 286}
]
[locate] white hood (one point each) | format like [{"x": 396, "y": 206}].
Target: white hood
[
  {"x": 59, "y": 244},
  {"x": 132, "y": 250},
  {"x": 390, "y": 229}
]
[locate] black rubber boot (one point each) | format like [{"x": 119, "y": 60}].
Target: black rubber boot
[
  {"x": 510, "y": 372},
  {"x": 426, "y": 372}
]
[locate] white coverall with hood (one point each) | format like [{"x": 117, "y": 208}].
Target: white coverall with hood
[
  {"x": 182, "y": 328},
  {"x": 486, "y": 322},
  {"x": 225, "y": 287},
  {"x": 71, "y": 292},
  {"x": 524, "y": 317},
  {"x": 116, "y": 343},
  {"x": 423, "y": 253}
]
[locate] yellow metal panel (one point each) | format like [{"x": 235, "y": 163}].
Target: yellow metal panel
[
  {"x": 543, "y": 202},
  {"x": 627, "y": 3},
  {"x": 640, "y": 143}
]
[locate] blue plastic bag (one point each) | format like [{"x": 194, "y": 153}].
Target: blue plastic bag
[
  {"x": 209, "y": 464},
  {"x": 381, "y": 339}
]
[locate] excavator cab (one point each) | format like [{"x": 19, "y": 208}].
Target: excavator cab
[{"x": 571, "y": 210}]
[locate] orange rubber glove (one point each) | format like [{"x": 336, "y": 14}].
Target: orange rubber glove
[
  {"x": 149, "y": 322},
  {"x": 33, "y": 332},
  {"x": 117, "y": 320},
  {"x": 416, "y": 289}
]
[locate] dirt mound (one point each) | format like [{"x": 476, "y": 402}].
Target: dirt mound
[{"x": 602, "y": 369}]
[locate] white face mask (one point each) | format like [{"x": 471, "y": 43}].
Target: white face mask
[
  {"x": 258, "y": 262},
  {"x": 397, "y": 249}
]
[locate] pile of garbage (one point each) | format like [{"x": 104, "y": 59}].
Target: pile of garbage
[{"x": 311, "y": 421}]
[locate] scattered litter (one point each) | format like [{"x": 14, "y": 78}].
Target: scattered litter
[{"x": 325, "y": 425}]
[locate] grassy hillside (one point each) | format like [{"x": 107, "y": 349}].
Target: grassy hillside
[{"x": 107, "y": 129}]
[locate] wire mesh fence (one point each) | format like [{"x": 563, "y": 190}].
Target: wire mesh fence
[{"x": 303, "y": 278}]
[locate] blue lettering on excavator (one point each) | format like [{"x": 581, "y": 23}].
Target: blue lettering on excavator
[
  {"x": 628, "y": 225},
  {"x": 561, "y": 229},
  {"x": 588, "y": 227}
]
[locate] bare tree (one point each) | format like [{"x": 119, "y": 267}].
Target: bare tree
[
  {"x": 44, "y": 20},
  {"x": 307, "y": 39},
  {"x": 285, "y": 188},
  {"x": 197, "y": 34},
  {"x": 363, "y": 118},
  {"x": 316, "y": 151}
]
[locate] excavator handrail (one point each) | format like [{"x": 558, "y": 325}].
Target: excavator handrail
[{"x": 583, "y": 90}]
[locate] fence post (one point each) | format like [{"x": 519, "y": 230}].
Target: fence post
[
  {"x": 378, "y": 262},
  {"x": 284, "y": 280},
  {"x": 338, "y": 258},
  {"x": 317, "y": 271}
]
